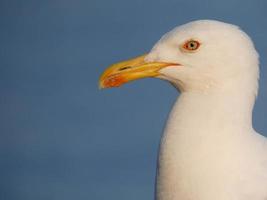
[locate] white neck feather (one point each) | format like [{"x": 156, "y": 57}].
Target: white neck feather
[{"x": 202, "y": 125}]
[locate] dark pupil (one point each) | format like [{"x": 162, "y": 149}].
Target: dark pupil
[{"x": 192, "y": 45}]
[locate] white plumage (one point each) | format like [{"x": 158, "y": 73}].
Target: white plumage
[{"x": 209, "y": 150}]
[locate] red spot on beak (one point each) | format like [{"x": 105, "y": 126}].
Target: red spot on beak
[{"x": 115, "y": 80}]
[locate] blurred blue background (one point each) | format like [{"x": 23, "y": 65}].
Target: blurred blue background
[{"x": 61, "y": 137}]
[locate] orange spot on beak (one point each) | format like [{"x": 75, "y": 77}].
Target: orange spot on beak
[{"x": 114, "y": 81}]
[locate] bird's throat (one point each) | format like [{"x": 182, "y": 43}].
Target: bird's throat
[{"x": 199, "y": 129}]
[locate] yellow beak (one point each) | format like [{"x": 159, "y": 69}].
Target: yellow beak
[{"x": 129, "y": 70}]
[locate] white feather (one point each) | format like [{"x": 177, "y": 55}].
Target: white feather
[{"x": 209, "y": 150}]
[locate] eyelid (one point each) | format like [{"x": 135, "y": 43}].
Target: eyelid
[{"x": 184, "y": 49}]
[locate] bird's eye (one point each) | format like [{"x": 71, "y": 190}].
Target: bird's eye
[{"x": 191, "y": 45}]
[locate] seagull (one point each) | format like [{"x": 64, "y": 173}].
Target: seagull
[{"x": 209, "y": 149}]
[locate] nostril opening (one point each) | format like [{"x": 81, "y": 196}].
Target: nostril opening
[{"x": 124, "y": 68}]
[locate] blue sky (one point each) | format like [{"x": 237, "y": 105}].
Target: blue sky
[{"x": 61, "y": 137}]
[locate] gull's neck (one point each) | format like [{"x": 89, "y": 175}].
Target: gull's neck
[
  {"x": 201, "y": 126},
  {"x": 211, "y": 108},
  {"x": 212, "y": 112}
]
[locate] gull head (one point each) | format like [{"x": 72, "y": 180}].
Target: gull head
[{"x": 201, "y": 55}]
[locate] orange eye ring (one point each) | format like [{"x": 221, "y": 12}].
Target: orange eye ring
[{"x": 191, "y": 45}]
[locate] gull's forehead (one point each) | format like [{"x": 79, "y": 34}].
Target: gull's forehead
[{"x": 201, "y": 29}]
